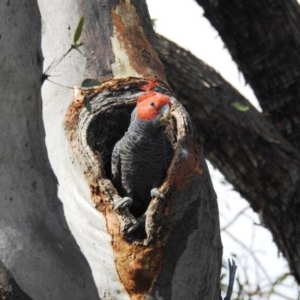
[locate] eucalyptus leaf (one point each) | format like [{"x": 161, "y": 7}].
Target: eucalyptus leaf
[
  {"x": 153, "y": 22},
  {"x": 240, "y": 106},
  {"x": 87, "y": 83},
  {"x": 78, "y": 30}
]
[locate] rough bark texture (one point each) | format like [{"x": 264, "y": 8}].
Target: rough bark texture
[
  {"x": 245, "y": 146},
  {"x": 263, "y": 38},
  {"x": 184, "y": 231},
  {"x": 187, "y": 242},
  {"x": 35, "y": 243},
  {"x": 120, "y": 39}
]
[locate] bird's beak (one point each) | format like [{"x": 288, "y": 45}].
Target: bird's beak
[{"x": 165, "y": 113}]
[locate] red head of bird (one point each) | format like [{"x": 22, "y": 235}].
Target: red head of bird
[{"x": 153, "y": 105}]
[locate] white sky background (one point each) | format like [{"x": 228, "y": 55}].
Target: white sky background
[{"x": 183, "y": 23}]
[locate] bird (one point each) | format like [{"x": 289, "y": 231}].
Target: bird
[{"x": 140, "y": 159}]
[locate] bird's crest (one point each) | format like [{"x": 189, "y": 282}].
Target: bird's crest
[
  {"x": 150, "y": 103},
  {"x": 149, "y": 85}
]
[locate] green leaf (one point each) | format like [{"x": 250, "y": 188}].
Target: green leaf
[
  {"x": 240, "y": 106},
  {"x": 78, "y": 30},
  {"x": 87, "y": 83},
  {"x": 153, "y": 22}
]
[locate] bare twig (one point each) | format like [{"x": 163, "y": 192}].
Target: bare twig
[
  {"x": 232, "y": 270},
  {"x": 251, "y": 253},
  {"x": 235, "y": 218}
]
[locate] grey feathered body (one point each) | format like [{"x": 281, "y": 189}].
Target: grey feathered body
[{"x": 140, "y": 161}]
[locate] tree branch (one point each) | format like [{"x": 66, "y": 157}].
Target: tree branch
[
  {"x": 263, "y": 39},
  {"x": 244, "y": 145}
]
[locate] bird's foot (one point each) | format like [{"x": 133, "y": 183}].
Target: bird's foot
[
  {"x": 136, "y": 233},
  {"x": 122, "y": 203},
  {"x": 140, "y": 224},
  {"x": 156, "y": 193}
]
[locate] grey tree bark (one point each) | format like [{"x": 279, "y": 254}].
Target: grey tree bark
[
  {"x": 62, "y": 250},
  {"x": 36, "y": 245},
  {"x": 263, "y": 38}
]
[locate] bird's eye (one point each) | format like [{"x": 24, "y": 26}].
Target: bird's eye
[{"x": 152, "y": 104}]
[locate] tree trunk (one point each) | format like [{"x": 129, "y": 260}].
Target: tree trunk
[
  {"x": 183, "y": 238},
  {"x": 36, "y": 246}
]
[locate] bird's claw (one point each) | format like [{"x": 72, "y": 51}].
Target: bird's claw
[
  {"x": 121, "y": 204},
  {"x": 140, "y": 222},
  {"x": 156, "y": 193}
]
